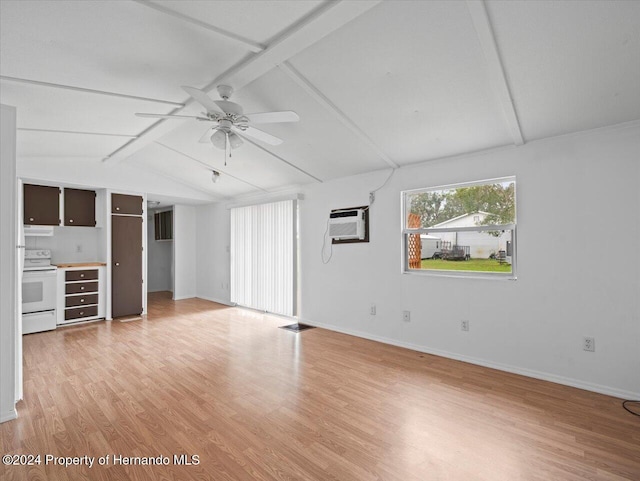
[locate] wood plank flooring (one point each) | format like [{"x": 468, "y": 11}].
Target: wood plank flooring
[{"x": 254, "y": 402}]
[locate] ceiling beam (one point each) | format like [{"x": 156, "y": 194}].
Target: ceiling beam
[
  {"x": 74, "y": 132},
  {"x": 210, "y": 167},
  {"x": 255, "y": 144},
  {"x": 90, "y": 91},
  {"x": 212, "y": 195},
  {"x": 244, "y": 42},
  {"x": 330, "y": 107},
  {"x": 497, "y": 76},
  {"x": 312, "y": 28},
  {"x": 318, "y": 24}
]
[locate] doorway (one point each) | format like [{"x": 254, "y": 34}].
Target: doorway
[{"x": 160, "y": 250}]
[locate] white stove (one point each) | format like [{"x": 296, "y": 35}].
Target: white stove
[
  {"x": 39, "y": 280},
  {"x": 38, "y": 260}
]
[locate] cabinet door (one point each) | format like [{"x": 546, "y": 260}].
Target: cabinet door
[
  {"x": 126, "y": 204},
  {"x": 126, "y": 255},
  {"x": 41, "y": 205},
  {"x": 79, "y": 207}
]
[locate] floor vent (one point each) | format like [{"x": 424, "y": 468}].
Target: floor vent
[{"x": 297, "y": 327}]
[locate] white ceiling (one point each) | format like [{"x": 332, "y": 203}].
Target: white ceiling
[{"x": 376, "y": 84}]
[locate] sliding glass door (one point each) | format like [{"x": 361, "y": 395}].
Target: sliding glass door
[{"x": 263, "y": 256}]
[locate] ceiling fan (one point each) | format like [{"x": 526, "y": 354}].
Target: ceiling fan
[{"x": 230, "y": 124}]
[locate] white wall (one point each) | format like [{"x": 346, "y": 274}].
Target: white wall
[
  {"x": 212, "y": 246},
  {"x": 184, "y": 251},
  {"x": 65, "y": 241},
  {"x": 8, "y": 315},
  {"x": 159, "y": 259},
  {"x": 534, "y": 325}
]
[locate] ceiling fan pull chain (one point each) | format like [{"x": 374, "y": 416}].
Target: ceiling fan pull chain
[{"x": 226, "y": 144}]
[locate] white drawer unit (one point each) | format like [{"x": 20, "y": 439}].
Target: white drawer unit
[
  {"x": 82, "y": 294},
  {"x": 38, "y": 322}
]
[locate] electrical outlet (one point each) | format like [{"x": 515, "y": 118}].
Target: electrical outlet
[
  {"x": 464, "y": 325},
  {"x": 372, "y": 310},
  {"x": 589, "y": 344},
  {"x": 406, "y": 316}
]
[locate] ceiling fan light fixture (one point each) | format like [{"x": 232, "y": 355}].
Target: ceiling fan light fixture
[
  {"x": 218, "y": 139},
  {"x": 234, "y": 140}
]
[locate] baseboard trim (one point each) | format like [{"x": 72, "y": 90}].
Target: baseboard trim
[
  {"x": 8, "y": 416},
  {"x": 182, "y": 298},
  {"x": 217, "y": 301},
  {"x": 544, "y": 376}
]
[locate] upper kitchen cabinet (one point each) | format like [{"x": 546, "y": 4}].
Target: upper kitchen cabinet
[
  {"x": 79, "y": 207},
  {"x": 41, "y": 205},
  {"x": 126, "y": 204}
]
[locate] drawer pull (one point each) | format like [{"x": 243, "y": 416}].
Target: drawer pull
[
  {"x": 82, "y": 313},
  {"x": 81, "y": 300},
  {"x": 117, "y": 208},
  {"x": 81, "y": 275},
  {"x": 71, "y": 221},
  {"x": 82, "y": 288},
  {"x": 30, "y": 219}
]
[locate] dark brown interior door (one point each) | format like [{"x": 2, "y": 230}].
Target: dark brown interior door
[
  {"x": 80, "y": 207},
  {"x": 126, "y": 255},
  {"x": 41, "y": 205}
]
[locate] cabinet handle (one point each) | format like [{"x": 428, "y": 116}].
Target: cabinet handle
[
  {"x": 81, "y": 300},
  {"x": 117, "y": 208},
  {"x": 30, "y": 219},
  {"x": 81, "y": 275},
  {"x": 82, "y": 313},
  {"x": 70, "y": 221},
  {"x": 82, "y": 288},
  {"x": 117, "y": 264}
]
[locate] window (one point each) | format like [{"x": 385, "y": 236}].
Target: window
[
  {"x": 163, "y": 225},
  {"x": 463, "y": 230}
]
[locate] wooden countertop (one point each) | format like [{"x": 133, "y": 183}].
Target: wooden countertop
[{"x": 81, "y": 264}]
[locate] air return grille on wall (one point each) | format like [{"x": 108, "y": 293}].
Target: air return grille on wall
[{"x": 347, "y": 224}]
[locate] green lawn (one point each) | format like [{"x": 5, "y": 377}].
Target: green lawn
[{"x": 477, "y": 265}]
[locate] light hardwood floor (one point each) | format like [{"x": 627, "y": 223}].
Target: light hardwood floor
[{"x": 259, "y": 403}]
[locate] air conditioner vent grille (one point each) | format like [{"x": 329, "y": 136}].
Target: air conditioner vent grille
[{"x": 346, "y": 229}]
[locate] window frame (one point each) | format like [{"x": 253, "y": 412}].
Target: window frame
[{"x": 405, "y": 232}]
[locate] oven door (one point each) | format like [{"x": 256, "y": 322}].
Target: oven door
[{"x": 38, "y": 291}]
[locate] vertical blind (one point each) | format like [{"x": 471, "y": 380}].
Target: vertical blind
[{"x": 263, "y": 256}]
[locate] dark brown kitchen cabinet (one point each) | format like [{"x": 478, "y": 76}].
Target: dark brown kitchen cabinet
[
  {"x": 81, "y": 287},
  {"x": 126, "y": 204},
  {"x": 41, "y": 205},
  {"x": 80, "y": 312},
  {"x": 79, "y": 207},
  {"x": 84, "y": 275},
  {"x": 73, "y": 301}
]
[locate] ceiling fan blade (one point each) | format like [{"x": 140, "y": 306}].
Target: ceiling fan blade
[
  {"x": 206, "y": 137},
  {"x": 169, "y": 116},
  {"x": 260, "y": 135},
  {"x": 203, "y": 99},
  {"x": 273, "y": 117}
]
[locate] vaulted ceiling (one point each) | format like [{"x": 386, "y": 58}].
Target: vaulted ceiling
[{"x": 377, "y": 84}]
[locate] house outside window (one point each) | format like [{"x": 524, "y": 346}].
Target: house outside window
[{"x": 466, "y": 230}]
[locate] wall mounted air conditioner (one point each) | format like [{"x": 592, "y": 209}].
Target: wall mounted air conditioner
[{"x": 347, "y": 224}]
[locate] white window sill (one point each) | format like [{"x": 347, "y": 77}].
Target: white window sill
[{"x": 497, "y": 276}]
